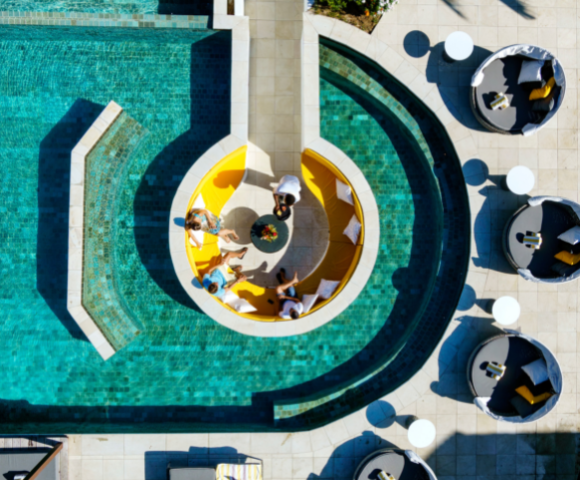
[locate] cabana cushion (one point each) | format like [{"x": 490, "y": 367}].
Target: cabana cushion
[
  {"x": 544, "y": 91},
  {"x": 531, "y": 71},
  {"x": 571, "y": 236},
  {"x": 352, "y": 230},
  {"x": 524, "y": 408},
  {"x": 344, "y": 192},
  {"x": 537, "y": 371},
  {"x": 564, "y": 270},
  {"x": 308, "y": 301},
  {"x": 326, "y": 288}
]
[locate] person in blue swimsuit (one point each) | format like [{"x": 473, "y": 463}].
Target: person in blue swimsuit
[
  {"x": 202, "y": 219},
  {"x": 218, "y": 281}
]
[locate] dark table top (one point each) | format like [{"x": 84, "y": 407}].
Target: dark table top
[{"x": 264, "y": 245}]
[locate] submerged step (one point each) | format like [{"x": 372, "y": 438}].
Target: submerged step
[{"x": 99, "y": 163}]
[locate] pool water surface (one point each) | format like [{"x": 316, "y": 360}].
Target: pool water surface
[{"x": 185, "y": 372}]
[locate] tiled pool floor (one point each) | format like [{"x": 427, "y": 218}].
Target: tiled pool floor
[
  {"x": 176, "y": 7},
  {"x": 56, "y": 82}
]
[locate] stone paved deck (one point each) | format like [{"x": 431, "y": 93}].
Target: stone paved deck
[
  {"x": 275, "y": 148},
  {"x": 469, "y": 444}
]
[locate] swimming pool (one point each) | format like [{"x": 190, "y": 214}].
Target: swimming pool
[
  {"x": 185, "y": 372},
  {"x": 176, "y": 7}
]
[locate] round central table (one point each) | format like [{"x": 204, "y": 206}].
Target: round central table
[
  {"x": 506, "y": 310},
  {"x": 458, "y": 46},
  {"x": 264, "y": 245},
  {"x": 421, "y": 433},
  {"x": 520, "y": 180}
]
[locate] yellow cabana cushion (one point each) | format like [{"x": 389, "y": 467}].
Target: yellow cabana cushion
[
  {"x": 341, "y": 256},
  {"x": 529, "y": 396},
  {"x": 539, "y": 93},
  {"x": 567, "y": 257}
]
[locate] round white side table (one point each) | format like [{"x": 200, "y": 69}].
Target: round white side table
[
  {"x": 458, "y": 46},
  {"x": 520, "y": 180},
  {"x": 506, "y": 310},
  {"x": 421, "y": 433}
]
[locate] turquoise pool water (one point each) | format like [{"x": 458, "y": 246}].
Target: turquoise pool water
[
  {"x": 184, "y": 372},
  {"x": 177, "y": 7},
  {"x": 176, "y": 84}
]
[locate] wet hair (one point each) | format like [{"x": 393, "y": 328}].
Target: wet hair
[
  {"x": 213, "y": 288},
  {"x": 290, "y": 200},
  {"x": 294, "y": 314},
  {"x": 195, "y": 226},
  {"x": 285, "y": 215}
]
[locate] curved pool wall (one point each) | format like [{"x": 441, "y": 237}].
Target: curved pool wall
[
  {"x": 360, "y": 99},
  {"x": 184, "y": 372}
]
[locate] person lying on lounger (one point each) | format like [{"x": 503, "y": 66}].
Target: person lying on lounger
[
  {"x": 201, "y": 219},
  {"x": 290, "y": 306},
  {"x": 218, "y": 280}
]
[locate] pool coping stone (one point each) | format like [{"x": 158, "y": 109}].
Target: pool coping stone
[{"x": 76, "y": 229}]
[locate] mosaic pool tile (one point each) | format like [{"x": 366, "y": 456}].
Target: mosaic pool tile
[
  {"x": 105, "y": 168},
  {"x": 353, "y": 96},
  {"x": 177, "y": 7},
  {"x": 185, "y": 372}
]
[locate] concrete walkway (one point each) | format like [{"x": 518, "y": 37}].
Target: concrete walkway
[{"x": 275, "y": 144}]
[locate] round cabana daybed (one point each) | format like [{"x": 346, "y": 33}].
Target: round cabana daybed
[
  {"x": 499, "y": 73},
  {"x": 530, "y": 385},
  {"x": 556, "y": 220},
  {"x": 400, "y": 464}
]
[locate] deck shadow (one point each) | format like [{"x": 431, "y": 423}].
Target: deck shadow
[
  {"x": 210, "y": 122},
  {"x": 54, "y": 166}
]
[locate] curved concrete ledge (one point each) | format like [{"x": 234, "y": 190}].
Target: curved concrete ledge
[
  {"x": 309, "y": 322},
  {"x": 76, "y": 229}
]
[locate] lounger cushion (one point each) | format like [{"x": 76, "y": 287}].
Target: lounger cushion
[
  {"x": 531, "y": 71},
  {"x": 571, "y": 236},
  {"x": 352, "y": 230},
  {"x": 537, "y": 371},
  {"x": 308, "y": 301},
  {"x": 326, "y": 288},
  {"x": 242, "y": 306},
  {"x": 344, "y": 192},
  {"x": 192, "y": 474}
]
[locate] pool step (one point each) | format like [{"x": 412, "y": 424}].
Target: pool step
[{"x": 99, "y": 163}]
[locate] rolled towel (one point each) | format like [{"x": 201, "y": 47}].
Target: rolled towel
[
  {"x": 496, "y": 370},
  {"x": 382, "y": 475},
  {"x": 500, "y": 102},
  {"x": 533, "y": 240}
]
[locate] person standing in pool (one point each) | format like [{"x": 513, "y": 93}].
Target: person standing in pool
[
  {"x": 218, "y": 280},
  {"x": 201, "y": 219},
  {"x": 286, "y": 194},
  {"x": 290, "y": 305}
]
